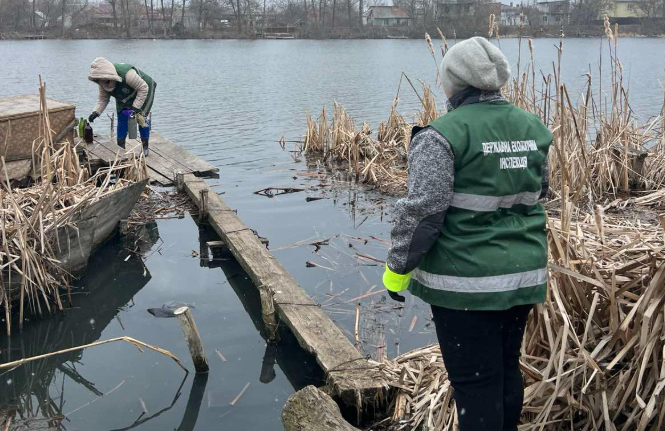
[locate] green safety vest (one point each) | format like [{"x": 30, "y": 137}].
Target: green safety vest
[
  {"x": 491, "y": 253},
  {"x": 124, "y": 94}
]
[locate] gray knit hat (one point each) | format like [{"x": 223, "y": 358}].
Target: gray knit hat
[{"x": 475, "y": 62}]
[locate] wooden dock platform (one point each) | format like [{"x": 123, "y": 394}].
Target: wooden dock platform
[
  {"x": 349, "y": 374},
  {"x": 164, "y": 160}
]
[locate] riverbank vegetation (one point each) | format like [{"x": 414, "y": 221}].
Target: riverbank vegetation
[
  {"x": 593, "y": 352},
  {"x": 336, "y": 19}
]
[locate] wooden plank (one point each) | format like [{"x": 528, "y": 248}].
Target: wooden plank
[
  {"x": 105, "y": 152},
  {"x": 164, "y": 160},
  {"x": 349, "y": 374},
  {"x": 179, "y": 157}
]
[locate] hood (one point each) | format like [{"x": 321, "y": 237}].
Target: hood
[{"x": 101, "y": 68}]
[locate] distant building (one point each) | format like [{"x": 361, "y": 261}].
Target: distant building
[
  {"x": 387, "y": 16},
  {"x": 625, "y": 10},
  {"x": 103, "y": 15},
  {"x": 466, "y": 8},
  {"x": 510, "y": 15},
  {"x": 553, "y": 12}
]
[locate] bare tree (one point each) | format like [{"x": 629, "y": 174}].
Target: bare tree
[
  {"x": 651, "y": 8},
  {"x": 147, "y": 15},
  {"x": 182, "y": 17},
  {"x": 361, "y": 10},
  {"x": 586, "y": 11},
  {"x": 126, "y": 17},
  {"x": 64, "y": 8},
  {"x": 348, "y": 6},
  {"x": 163, "y": 17},
  {"x": 114, "y": 9}
]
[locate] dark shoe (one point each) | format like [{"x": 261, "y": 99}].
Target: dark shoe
[
  {"x": 121, "y": 143},
  {"x": 145, "y": 146}
]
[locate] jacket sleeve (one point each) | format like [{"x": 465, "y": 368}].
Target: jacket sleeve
[
  {"x": 103, "y": 98},
  {"x": 419, "y": 216},
  {"x": 135, "y": 81}
]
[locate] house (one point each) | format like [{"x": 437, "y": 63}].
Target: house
[
  {"x": 625, "y": 11},
  {"x": 387, "y": 16},
  {"x": 153, "y": 19},
  {"x": 103, "y": 15},
  {"x": 466, "y": 8},
  {"x": 512, "y": 16},
  {"x": 555, "y": 12}
]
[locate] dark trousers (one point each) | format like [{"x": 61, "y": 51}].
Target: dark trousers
[{"x": 481, "y": 351}]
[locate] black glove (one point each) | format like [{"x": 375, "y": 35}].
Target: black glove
[
  {"x": 92, "y": 116},
  {"x": 396, "y": 297}
]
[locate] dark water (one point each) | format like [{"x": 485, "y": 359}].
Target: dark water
[{"x": 229, "y": 102}]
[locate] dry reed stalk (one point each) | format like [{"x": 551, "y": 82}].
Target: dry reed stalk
[{"x": 136, "y": 343}]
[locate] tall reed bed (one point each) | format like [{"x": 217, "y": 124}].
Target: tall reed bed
[
  {"x": 594, "y": 352},
  {"x": 31, "y": 278}
]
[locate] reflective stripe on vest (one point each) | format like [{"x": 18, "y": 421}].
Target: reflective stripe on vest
[
  {"x": 496, "y": 283},
  {"x": 471, "y": 202}
]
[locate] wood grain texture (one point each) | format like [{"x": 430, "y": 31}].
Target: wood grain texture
[{"x": 165, "y": 159}]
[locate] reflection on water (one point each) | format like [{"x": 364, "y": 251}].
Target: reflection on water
[{"x": 95, "y": 306}]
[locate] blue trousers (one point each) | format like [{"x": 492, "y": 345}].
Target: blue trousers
[{"x": 123, "y": 127}]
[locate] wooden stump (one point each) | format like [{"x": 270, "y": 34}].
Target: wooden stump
[
  {"x": 203, "y": 208},
  {"x": 193, "y": 339},
  {"x": 268, "y": 312},
  {"x": 313, "y": 410},
  {"x": 179, "y": 181}
]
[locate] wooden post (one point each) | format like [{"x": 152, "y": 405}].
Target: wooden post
[
  {"x": 268, "y": 312},
  {"x": 124, "y": 227},
  {"x": 203, "y": 210},
  {"x": 179, "y": 181},
  {"x": 193, "y": 339}
]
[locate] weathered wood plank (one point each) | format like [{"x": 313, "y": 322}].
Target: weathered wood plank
[
  {"x": 178, "y": 156},
  {"x": 316, "y": 333},
  {"x": 165, "y": 158}
]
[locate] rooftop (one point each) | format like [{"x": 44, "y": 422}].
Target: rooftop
[{"x": 387, "y": 12}]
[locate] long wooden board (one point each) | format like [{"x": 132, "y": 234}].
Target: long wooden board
[
  {"x": 349, "y": 374},
  {"x": 164, "y": 160}
]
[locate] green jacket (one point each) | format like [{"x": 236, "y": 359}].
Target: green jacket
[
  {"x": 124, "y": 94},
  {"x": 485, "y": 248}
]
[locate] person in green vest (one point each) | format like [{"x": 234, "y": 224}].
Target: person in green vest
[
  {"x": 469, "y": 238},
  {"x": 134, "y": 92}
]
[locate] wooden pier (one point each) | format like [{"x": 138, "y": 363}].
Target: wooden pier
[
  {"x": 348, "y": 373},
  {"x": 352, "y": 378},
  {"x": 165, "y": 158}
]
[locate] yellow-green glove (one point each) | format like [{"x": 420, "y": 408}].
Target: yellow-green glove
[{"x": 395, "y": 282}]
